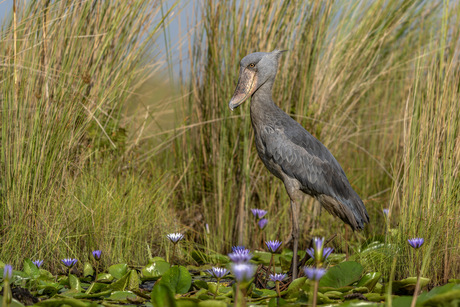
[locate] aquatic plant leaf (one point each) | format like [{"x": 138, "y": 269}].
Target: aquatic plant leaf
[
  {"x": 401, "y": 301},
  {"x": 155, "y": 270},
  {"x": 162, "y": 296},
  {"x": 407, "y": 286},
  {"x": 133, "y": 280},
  {"x": 57, "y": 302},
  {"x": 118, "y": 270},
  {"x": 104, "y": 277},
  {"x": 31, "y": 269},
  {"x": 75, "y": 283},
  {"x": 341, "y": 275},
  {"x": 14, "y": 303},
  {"x": 369, "y": 280},
  {"x": 294, "y": 287},
  {"x": 212, "y": 303},
  {"x": 276, "y": 301},
  {"x": 121, "y": 296},
  {"x": 88, "y": 269},
  {"x": 187, "y": 302},
  {"x": 263, "y": 257},
  {"x": 178, "y": 279},
  {"x": 201, "y": 284},
  {"x": 440, "y": 296},
  {"x": 263, "y": 293}
]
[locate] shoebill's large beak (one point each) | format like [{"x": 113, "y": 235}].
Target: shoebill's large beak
[{"x": 245, "y": 88}]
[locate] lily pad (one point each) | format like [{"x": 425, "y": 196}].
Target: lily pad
[
  {"x": 178, "y": 279},
  {"x": 341, "y": 275},
  {"x": 162, "y": 296},
  {"x": 88, "y": 269},
  {"x": 118, "y": 270},
  {"x": 155, "y": 270},
  {"x": 369, "y": 280}
]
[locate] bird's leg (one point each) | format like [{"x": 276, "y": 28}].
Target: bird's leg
[{"x": 295, "y": 238}]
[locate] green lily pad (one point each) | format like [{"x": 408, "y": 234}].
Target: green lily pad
[
  {"x": 75, "y": 283},
  {"x": 133, "y": 280},
  {"x": 341, "y": 275},
  {"x": 155, "y": 270},
  {"x": 407, "y": 286},
  {"x": 263, "y": 293},
  {"x": 276, "y": 301},
  {"x": 178, "y": 279},
  {"x": 121, "y": 296},
  {"x": 118, "y": 270},
  {"x": 162, "y": 296},
  {"x": 440, "y": 296},
  {"x": 294, "y": 287},
  {"x": 104, "y": 277},
  {"x": 88, "y": 269},
  {"x": 14, "y": 303},
  {"x": 369, "y": 280},
  {"x": 56, "y": 302},
  {"x": 212, "y": 303}
]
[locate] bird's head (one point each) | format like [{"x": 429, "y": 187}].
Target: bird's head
[{"x": 256, "y": 69}]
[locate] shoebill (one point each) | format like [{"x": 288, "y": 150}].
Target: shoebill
[{"x": 290, "y": 152}]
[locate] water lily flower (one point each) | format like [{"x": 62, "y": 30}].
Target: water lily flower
[
  {"x": 68, "y": 262},
  {"x": 218, "y": 273},
  {"x": 240, "y": 249},
  {"x": 7, "y": 271},
  {"x": 97, "y": 254},
  {"x": 258, "y": 213},
  {"x": 262, "y": 223},
  {"x": 243, "y": 271},
  {"x": 277, "y": 277},
  {"x": 318, "y": 244},
  {"x": 314, "y": 273},
  {"x": 273, "y": 245},
  {"x": 416, "y": 242},
  {"x": 326, "y": 252},
  {"x": 38, "y": 263},
  {"x": 175, "y": 237},
  {"x": 240, "y": 257}
]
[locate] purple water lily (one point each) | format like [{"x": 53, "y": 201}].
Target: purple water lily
[
  {"x": 416, "y": 242},
  {"x": 7, "y": 271},
  {"x": 262, "y": 223},
  {"x": 97, "y": 254},
  {"x": 273, "y": 245},
  {"x": 258, "y": 213},
  {"x": 218, "y": 273},
  {"x": 277, "y": 277},
  {"x": 314, "y": 273},
  {"x": 69, "y": 262},
  {"x": 240, "y": 257},
  {"x": 175, "y": 237},
  {"x": 326, "y": 252},
  {"x": 243, "y": 271}
]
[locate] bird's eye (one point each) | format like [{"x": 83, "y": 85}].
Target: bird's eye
[{"x": 252, "y": 65}]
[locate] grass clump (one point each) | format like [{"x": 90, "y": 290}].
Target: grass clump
[{"x": 68, "y": 185}]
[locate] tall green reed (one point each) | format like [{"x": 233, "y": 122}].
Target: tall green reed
[
  {"x": 347, "y": 77},
  {"x": 68, "y": 69}
]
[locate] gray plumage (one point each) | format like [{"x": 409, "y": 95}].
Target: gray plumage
[{"x": 289, "y": 151}]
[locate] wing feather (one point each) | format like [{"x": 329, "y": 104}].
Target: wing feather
[{"x": 303, "y": 157}]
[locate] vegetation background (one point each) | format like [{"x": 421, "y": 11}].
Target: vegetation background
[{"x": 103, "y": 147}]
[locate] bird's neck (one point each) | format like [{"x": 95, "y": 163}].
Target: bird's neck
[{"x": 262, "y": 100}]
